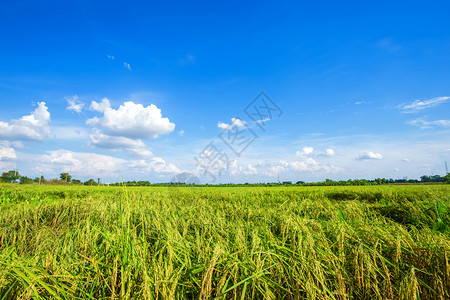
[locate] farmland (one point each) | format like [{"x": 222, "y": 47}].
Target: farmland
[{"x": 367, "y": 242}]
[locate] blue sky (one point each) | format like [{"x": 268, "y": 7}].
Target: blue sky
[{"x": 138, "y": 90}]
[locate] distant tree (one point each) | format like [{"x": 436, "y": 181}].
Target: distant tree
[
  {"x": 89, "y": 182},
  {"x": 25, "y": 180},
  {"x": 432, "y": 178},
  {"x": 65, "y": 177},
  {"x": 446, "y": 178},
  {"x": 76, "y": 181},
  {"x": 10, "y": 176}
]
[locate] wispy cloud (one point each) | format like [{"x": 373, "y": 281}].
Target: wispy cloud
[
  {"x": 305, "y": 151},
  {"x": 419, "y": 105},
  {"x": 127, "y": 66},
  {"x": 234, "y": 122},
  {"x": 111, "y": 57},
  {"x": 369, "y": 155},
  {"x": 429, "y": 124},
  {"x": 74, "y": 104}
]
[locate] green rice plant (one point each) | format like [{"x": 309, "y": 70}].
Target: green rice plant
[{"x": 224, "y": 243}]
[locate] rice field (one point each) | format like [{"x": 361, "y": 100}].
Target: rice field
[{"x": 368, "y": 242}]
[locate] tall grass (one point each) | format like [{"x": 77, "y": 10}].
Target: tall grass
[{"x": 224, "y": 243}]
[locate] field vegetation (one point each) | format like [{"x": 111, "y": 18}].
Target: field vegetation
[{"x": 287, "y": 242}]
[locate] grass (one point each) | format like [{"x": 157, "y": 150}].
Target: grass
[{"x": 376, "y": 242}]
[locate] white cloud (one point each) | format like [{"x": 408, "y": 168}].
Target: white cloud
[
  {"x": 81, "y": 164},
  {"x": 305, "y": 151},
  {"x": 74, "y": 104},
  {"x": 111, "y": 57},
  {"x": 132, "y": 121},
  {"x": 91, "y": 165},
  {"x": 329, "y": 152},
  {"x": 101, "y": 140},
  {"x": 406, "y": 160},
  {"x": 309, "y": 165},
  {"x": 234, "y": 122},
  {"x": 369, "y": 155},
  {"x": 250, "y": 170},
  {"x": 31, "y": 127},
  {"x": 156, "y": 164},
  {"x": 127, "y": 66},
  {"x": 222, "y": 125},
  {"x": 181, "y": 132},
  {"x": 7, "y": 153},
  {"x": 237, "y": 122},
  {"x": 135, "y": 147},
  {"x": 102, "y": 106},
  {"x": 428, "y": 124},
  {"x": 419, "y": 105}
]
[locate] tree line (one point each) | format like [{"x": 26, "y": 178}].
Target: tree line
[{"x": 13, "y": 176}]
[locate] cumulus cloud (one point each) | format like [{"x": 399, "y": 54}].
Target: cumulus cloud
[
  {"x": 74, "y": 104},
  {"x": 135, "y": 147},
  {"x": 305, "y": 151},
  {"x": 234, "y": 122},
  {"x": 156, "y": 164},
  {"x": 101, "y": 140},
  {"x": 7, "y": 153},
  {"x": 82, "y": 164},
  {"x": 369, "y": 155},
  {"x": 31, "y": 127},
  {"x": 309, "y": 164},
  {"x": 250, "y": 170},
  {"x": 102, "y": 106},
  {"x": 429, "y": 124},
  {"x": 329, "y": 152},
  {"x": 94, "y": 165},
  {"x": 283, "y": 166},
  {"x": 132, "y": 121},
  {"x": 419, "y": 105}
]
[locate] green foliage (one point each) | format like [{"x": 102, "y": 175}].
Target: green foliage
[
  {"x": 25, "y": 180},
  {"x": 65, "y": 177},
  {"x": 286, "y": 242},
  {"x": 90, "y": 182},
  {"x": 446, "y": 178},
  {"x": 10, "y": 176}
]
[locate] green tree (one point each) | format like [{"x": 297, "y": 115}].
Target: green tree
[
  {"x": 25, "y": 180},
  {"x": 89, "y": 182},
  {"x": 446, "y": 178},
  {"x": 10, "y": 176},
  {"x": 65, "y": 177}
]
